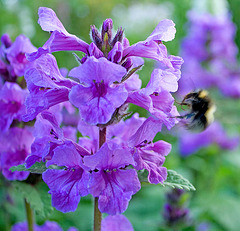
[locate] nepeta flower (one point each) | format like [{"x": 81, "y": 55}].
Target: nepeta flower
[
  {"x": 15, "y": 147},
  {"x": 116, "y": 223},
  {"x": 46, "y": 85},
  {"x": 13, "y": 62},
  {"x": 97, "y": 98},
  {"x": 12, "y": 106},
  {"x": 109, "y": 180}
]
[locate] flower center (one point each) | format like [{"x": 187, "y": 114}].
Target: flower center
[{"x": 99, "y": 89}]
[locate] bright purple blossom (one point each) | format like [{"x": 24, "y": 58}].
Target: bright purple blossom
[
  {"x": 13, "y": 62},
  {"x": 67, "y": 185},
  {"x": 149, "y": 155},
  {"x": 60, "y": 39},
  {"x": 46, "y": 85},
  {"x": 15, "y": 147},
  {"x": 48, "y": 135},
  {"x": 156, "y": 98},
  {"x": 12, "y": 107},
  {"x": 115, "y": 48},
  {"x": 116, "y": 223},
  {"x": 47, "y": 226},
  {"x": 109, "y": 180},
  {"x": 98, "y": 97},
  {"x": 191, "y": 143}
]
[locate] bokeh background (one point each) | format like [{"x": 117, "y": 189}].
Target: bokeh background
[{"x": 215, "y": 205}]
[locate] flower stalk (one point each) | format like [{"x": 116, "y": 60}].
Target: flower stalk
[
  {"x": 97, "y": 213},
  {"x": 30, "y": 217}
]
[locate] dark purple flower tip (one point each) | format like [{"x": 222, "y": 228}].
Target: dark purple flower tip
[
  {"x": 96, "y": 37},
  {"x": 6, "y": 40},
  {"x": 118, "y": 37}
]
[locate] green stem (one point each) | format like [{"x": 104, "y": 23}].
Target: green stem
[
  {"x": 97, "y": 216},
  {"x": 97, "y": 213},
  {"x": 29, "y": 213}
]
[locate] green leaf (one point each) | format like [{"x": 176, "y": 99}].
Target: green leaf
[
  {"x": 38, "y": 168},
  {"x": 176, "y": 180},
  {"x": 173, "y": 180},
  {"x": 37, "y": 197}
]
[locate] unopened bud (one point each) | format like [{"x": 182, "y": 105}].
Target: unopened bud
[
  {"x": 96, "y": 37},
  {"x": 118, "y": 36}
]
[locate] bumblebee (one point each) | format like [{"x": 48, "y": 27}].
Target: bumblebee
[{"x": 202, "y": 109}]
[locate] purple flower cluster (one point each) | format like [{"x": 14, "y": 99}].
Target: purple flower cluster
[
  {"x": 210, "y": 55},
  {"x": 16, "y": 138},
  {"x": 105, "y": 160}
]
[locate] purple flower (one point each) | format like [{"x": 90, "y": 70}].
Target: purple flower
[
  {"x": 97, "y": 98},
  {"x": 46, "y": 85},
  {"x": 60, "y": 39},
  {"x": 67, "y": 185},
  {"x": 115, "y": 48},
  {"x": 191, "y": 143},
  {"x": 109, "y": 180},
  {"x": 48, "y": 135},
  {"x": 156, "y": 98},
  {"x": 148, "y": 155},
  {"x": 15, "y": 147},
  {"x": 12, "y": 106},
  {"x": 13, "y": 62},
  {"x": 209, "y": 63},
  {"x": 116, "y": 223},
  {"x": 47, "y": 226}
]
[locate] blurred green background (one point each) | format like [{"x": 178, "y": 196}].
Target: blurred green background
[{"x": 214, "y": 172}]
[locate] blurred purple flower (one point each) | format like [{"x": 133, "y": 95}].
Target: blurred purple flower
[
  {"x": 47, "y": 226},
  {"x": 209, "y": 63},
  {"x": 13, "y": 62},
  {"x": 12, "y": 106},
  {"x": 190, "y": 143},
  {"x": 116, "y": 223},
  {"x": 15, "y": 147}
]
